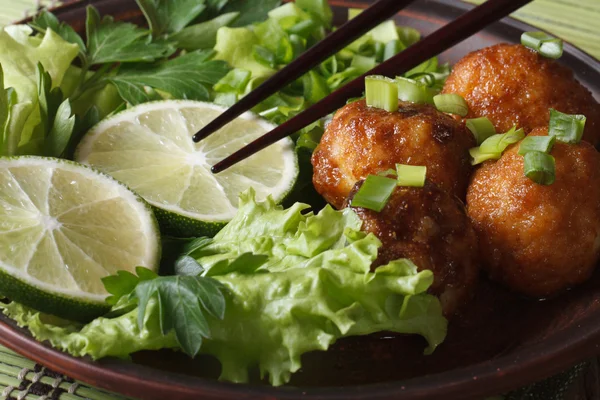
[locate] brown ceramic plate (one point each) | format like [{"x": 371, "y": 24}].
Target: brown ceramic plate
[{"x": 502, "y": 342}]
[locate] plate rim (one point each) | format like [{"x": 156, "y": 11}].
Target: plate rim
[{"x": 531, "y": 363}]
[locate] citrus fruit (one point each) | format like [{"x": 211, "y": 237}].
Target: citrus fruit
[
  {"x": 149, "y": 147},
  {"x": 63, "y": 227}
]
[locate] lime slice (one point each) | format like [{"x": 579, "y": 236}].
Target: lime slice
[
  {"x": 63, "y": 227},
  {"x": 149, "y": 148}
]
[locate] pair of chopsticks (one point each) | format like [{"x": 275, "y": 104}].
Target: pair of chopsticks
[{"x": 458, "y": 30}]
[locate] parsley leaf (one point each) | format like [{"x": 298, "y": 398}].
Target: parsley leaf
[
  {"x": 187, "y": 266},
  {"x": 111, "y": 41},
  {"x": 186, "y": 77},
  {"x": 250, "y": 11},
  {"x": 170, "y": 16},
  {"x": 183, "y": 301},
  {"x": 46, "y": 20},
  {"x": 124, "y": 283},
  {"x": 62, "y": 128}
]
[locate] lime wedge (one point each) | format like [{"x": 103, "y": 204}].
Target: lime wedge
[
  {"x": 63, "y": 227},
  {"x": 149, "y": 148}
]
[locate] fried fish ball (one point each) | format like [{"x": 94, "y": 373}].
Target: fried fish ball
[
  {"x": 363, "y": 140},
  {"x": 513, "y": 85},
  {"x": 536, "y": 239},
  {"x": 430, "y": 227}
]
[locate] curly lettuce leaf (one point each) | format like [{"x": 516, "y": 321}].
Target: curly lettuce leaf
[
  {"x": 103, "y": 337},
  {"x": 235, "y": 45},
  {"x": 310, "y": 284},
  {"x": 19, "y": 59}
]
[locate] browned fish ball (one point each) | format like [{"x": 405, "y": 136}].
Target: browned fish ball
[
  {"x": 513, "y": 85},
  {"x": 363, "y": 140},
  {"x": 538, "y": 240},
  {"x": 430, "y": 227}
]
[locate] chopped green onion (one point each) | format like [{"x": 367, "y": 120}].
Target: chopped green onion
[
  {"x": 413, "y": 91},
  {"x": 481, "y": 128},
  {"x": 408, "y": 35},
  {"x": 426, "y": 78},
  {"x": 363, "y": 64},
  {"x": 381, "y": 92},
  {"x": 310, "y": 140},
  {"x": 235, "y": 81},
  {"x": 387, "y": 172},
  {"x": 385, "y": 32},
  {"x": 546, "y": 45},
  {"x": 353, "y": 12},
  {"x": 287, "y": 10},
  {"x": 537, "y": 143},
  {"x": 374, "y": 193},
  {"x": 540, "y": 167},
  {"x": 315, "y": 87},
  {"x": 226, "y": 99},
  {"x": 451, "y": 103},
  {"x": 379, "y": 51},
  {"x": 498, "y": 143},
  {"x": 298, "y": 44},
  {"x": 478, "y": 156},
  {"x": 303, "y": 28},
  {"x": 392, "y": 48},
  {"x": 411, "y": 175},
  {"x": 329, "y": 67},
  {"x": 264, "y": 56},
  {"x": 567, "y": 128}
]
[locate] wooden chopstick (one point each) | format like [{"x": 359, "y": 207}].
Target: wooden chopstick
[
  {"x": 442, "y": 39},
  {"x": 333, "y": 43}
]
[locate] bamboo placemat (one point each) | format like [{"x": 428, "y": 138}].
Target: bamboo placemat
[{"x": 577, "y": 21}]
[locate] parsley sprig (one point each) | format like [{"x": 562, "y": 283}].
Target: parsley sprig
[
  {"x": 142, "y": 63},
  {"x": 185, "y": 302}
]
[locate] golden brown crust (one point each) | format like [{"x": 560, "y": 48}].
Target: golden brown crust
[
  {"x": 538, "y": 240},
  {"x": 512, "y": 85},
  {"x": 429, "y": 227},
  {"x": 363, "y": 140}
]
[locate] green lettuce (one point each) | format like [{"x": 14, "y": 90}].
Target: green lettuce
[
  {"x": 292, "y": 282},
  {"x": 235, "y": 45},
  {"x": 19, "y": 60}
]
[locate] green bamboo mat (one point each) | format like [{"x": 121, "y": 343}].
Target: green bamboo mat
[
  {"x": 22, "y": 379},
  {"x": 577, "y": 21}
]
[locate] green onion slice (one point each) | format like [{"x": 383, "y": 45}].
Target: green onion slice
[
  {"x": 374, "y": 193},
  {"x": 413, "y": 91},
  {"x": 379, "y": 50},
  {"x": 411, "y": 175},
  {"x": 537, "y": 143},
  {"x": 477, "y": 156},
  {"x": 381, "y": 92},
  {"x": 451, "y": 103},
  {"x": 235, "y": 81},
  {"x": 498, "y": 143},
  {"x": 392, "y": 48},
  {"x": 546, "y": 45},
  {"x": 567, "y": 128},
  {"x": 387, "y": 172},
  {"x": 540, "y": 167},
  {"x": 363, "y": 64},
  {"x": 303, "y": 28},
  {"x": 481, "y": 128}
]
